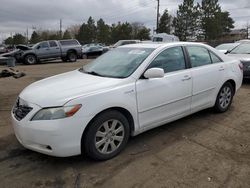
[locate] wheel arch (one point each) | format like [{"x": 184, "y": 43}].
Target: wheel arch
[
  {"x": 122, "y": 110},
  {"x": 71, "y": 50},
  {"x": 25, "y": 55},
  {"x": 233, "y": 83}
]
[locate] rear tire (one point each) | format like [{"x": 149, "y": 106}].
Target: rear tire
[
  {"x": 224, "y": 98},
  {"x": 106, "y": 136},
  {"x": 72, "y": 57},
  {"x": 30, "y": 59}
]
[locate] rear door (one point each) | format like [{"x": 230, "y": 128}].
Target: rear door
[
  {"x": 207, "y": 73},
  {"x": 54, "y": 50}
]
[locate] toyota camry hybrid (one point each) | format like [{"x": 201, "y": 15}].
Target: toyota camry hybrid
[{"x": 94, "y": 110}]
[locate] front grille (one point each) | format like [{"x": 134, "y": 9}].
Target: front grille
[{"x": 20, "y": 111}]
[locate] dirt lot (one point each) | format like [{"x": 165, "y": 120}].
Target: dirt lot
[{"x": 202, "y": 150}]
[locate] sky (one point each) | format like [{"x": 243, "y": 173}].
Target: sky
[{"x": 18, "y": 15}]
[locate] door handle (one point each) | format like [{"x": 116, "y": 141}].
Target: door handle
[{"x": 186, "y": 77}]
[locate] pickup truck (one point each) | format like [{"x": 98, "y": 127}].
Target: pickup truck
[{"x": 67, "y": 50}]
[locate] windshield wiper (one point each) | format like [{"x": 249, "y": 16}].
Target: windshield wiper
[{"x": 94, "y": 73}]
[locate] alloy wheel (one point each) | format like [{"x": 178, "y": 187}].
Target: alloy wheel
[
  {"x": 225, "y": 97},
  {"x": 109, "y": 136}
]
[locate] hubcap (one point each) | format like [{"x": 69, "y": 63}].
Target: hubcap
[
  {"x": 31, "y": 59},
  {"x": 109, "y": 136},
  {"x": 225, "y": 97}
]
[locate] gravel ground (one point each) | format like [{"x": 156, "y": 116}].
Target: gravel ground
[{"x": 202, "y": 150}]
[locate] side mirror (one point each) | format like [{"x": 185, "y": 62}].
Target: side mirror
[
  {"x": 154, "y": 73},
  {"x": 227, "y": 52},
  {"x": 38, "y": 47}
]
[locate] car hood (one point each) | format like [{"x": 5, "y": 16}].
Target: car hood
[
  {"x": 241, "y": 57},
  {"x": 59, "y": 89},
  {"x": 11, "y": 53}
]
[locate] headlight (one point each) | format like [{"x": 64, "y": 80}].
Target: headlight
[{"x": 56, "y": 113}]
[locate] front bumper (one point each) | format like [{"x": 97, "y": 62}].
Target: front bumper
[{"x": 61, "y": 138}]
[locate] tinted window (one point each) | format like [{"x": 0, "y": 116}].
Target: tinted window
[
  {"x": 52, "y": 44},
  {"x": 44, "y": 45},
  {"x": 170, "y": 60},
  {"x": 199, "y": 56},
  {"x": 215, "y": 58},
  {"x": 68, "y": 42}
]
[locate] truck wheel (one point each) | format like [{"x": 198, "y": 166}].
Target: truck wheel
[
  {"x": 72, "y": 57},
  {"x": 107, "y": 136},
  {"x": 30, "y": 59}
]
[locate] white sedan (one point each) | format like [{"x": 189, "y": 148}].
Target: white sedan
[{"x": 129, "y": 90}]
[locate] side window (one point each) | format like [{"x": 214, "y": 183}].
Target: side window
[
  {"x": 170, "y": 60},
  {"x": 52, "y": 44},
  {"x": 44, "y": 45},
  {"x": 215, "y": 58},
  {"x": 199, "y": 56}
]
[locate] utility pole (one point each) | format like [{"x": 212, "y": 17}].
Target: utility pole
[
  {"x": 27, "y": 34},
  {"x": 158, "y": 15},
  {"x": 61, "y": 28}
]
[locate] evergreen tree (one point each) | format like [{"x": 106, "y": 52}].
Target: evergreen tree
[
  {"x": 215, "y": 23},
  {"x": 143, "y": 34},
  {"x": 87, "y": 32},
  {"x": 8, "y": 41},
  {"x": 102, "y": 32},
  {"x": 139, "y": 31},
  {"x": 186, "y": 22},
  {"x": 19, "y": 39},
  {"x": 35, "y": 38},
  {"x": 66, "y": 35},
  {"x": 165, "y": 23}
]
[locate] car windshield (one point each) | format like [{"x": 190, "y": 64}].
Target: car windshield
[
  {"x": 118, "y": 63},
  {"x": 228, "y": 46},
  {"x": 243, "y": 48}
]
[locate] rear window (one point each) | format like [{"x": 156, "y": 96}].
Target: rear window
[
  {"x": 68, "y": 42},
  {"x": 157, "y": 39}
]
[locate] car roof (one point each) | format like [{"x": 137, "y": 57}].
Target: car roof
[{"x": 156, "y": 45}]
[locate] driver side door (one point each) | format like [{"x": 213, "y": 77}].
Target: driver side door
[
  {"x": 160, "y": 100},
  {"x": 42, "y": 50}
]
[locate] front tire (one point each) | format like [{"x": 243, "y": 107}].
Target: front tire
[
  {"x": 224, "y": 98},
  {"x": 106, "y": 136},
  {"x": 72, "y": 57},
  {"x": 30, "y": 59}
]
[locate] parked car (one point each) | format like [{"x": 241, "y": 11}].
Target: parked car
[
  {"x": 242, "y": 53},
  {"x": 128, "y": 90},
  {"x": 227, "y": 47},
  {"x": 91, "y": 51},
  {"x": 67, "y": 50},
  {"x": 16, "y": 52},
  {"x": 3, "y": 49},
  {"x": 125, "y": 42},
  {"x": 164, "y": 37}
]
